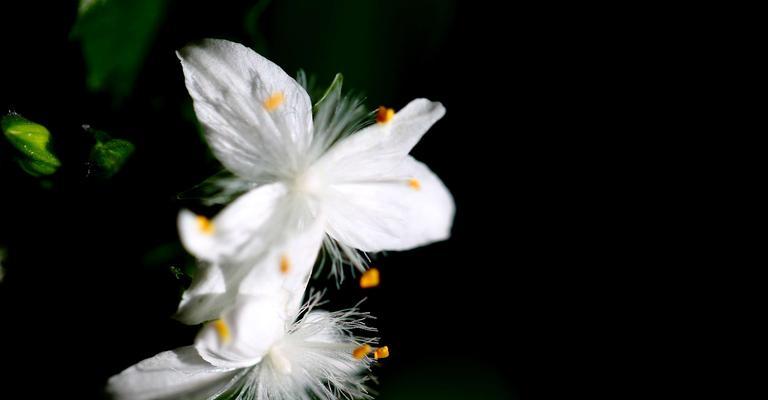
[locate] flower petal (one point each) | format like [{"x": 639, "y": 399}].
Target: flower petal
[
  {"x": 233, "y": 227},
  {"x": 257, "y": 119},
  {"x": 244, "y": 334},
  {"x": 175, "y": 374},
  {"x": 286, "y": 270},
  {"x": 276, "y": 260},
  {"x": 379, "y": 148},
  {"x": 206, "y": 297},
  {"x": 410, "y": 208}
]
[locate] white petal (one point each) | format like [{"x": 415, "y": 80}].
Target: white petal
[
  {"x": 176, "y": 374},
  {"x": 318, "y": 354},
  {"x": 298, "y": 253},
  {"x": 194, "y": 238},
  {"x": 230, "y": 85},
  {"x": 244, "y": 334},
  {"x": 206, "y": 297},
  {"x": 379, "y": 148},
  {"x": 391, "y": 214},
  {"x": 234, "y": 226},
  {"x": 276, "y": 260}
]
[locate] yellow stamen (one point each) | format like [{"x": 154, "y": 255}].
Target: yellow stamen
[
  {"x": 414, "y": 184},
  {"x": 384, "y": 115},
  {"x": 361, "y": 351},
  {"x": 285, "y": 264},
  {"x": 222, "y": 329},
  {"x": 274, "y": 101},
  {"x": 381, "y": 352},
  {"x": 370, "y": 278},
  {"x": 205, "y": 225}
]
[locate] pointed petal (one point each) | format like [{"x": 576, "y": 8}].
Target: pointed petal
[
  {"x": 244, "y": 334},
  {"x": 276, "y": 261},
  {"x": 410, "y": 208},
  {"x": 256, "y": 117},
  {"x": 233, "y": 227},
  {"x": 379, "y": 148},
  {"x": 286, "y": 270},
  {"x": 176, "y": 374}
]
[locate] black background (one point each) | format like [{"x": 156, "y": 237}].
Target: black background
[{"x": 504, "y": 309}]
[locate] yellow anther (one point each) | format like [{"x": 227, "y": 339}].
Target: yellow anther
[
  {"x": 384, "y": 115},
  {"x": 370, "y": 278},
  {"x": 381, "y": 352},
  {"x": 274, "y": 101},
  {"x": 285, "y": 264},
  {"x": 361, "y": 351},
  {"x": 222, "y": 329},
  {"x": 205, "y": 225},
  {"x": 414, "y": 184}
]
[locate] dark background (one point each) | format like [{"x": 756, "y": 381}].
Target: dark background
[{"x": 499, "y": 311}]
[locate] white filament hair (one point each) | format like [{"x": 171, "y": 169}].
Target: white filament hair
[{"x": 319, "y": 347}]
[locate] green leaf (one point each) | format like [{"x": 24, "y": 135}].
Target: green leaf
[
  {"x": 332, "y": 93},
  {"x": 32, "y": 140},
  {"x": 109, "y": 155},
  {"x": 115, "y": 36},
  {"x": 36, "y": 168},
  {"x": 86, "y": 5}
]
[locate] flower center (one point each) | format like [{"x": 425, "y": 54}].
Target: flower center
[
  {"x": 279, "y": 360},
  {"x": 308, "y": 182}
]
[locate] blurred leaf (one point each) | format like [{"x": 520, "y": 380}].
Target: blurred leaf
[
  {"x": 251, "y": 22},
  {"x": 32, "y": 140},
  {"x": 377, "y": 45},
  {"x": 86, "y": 5},
  {"x": 36, "y": 168},
  {"x": 115, "y": 36},
  {"x": 108, "y": 155}
]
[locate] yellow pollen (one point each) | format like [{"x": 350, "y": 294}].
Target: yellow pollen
[
  {"x": 205, "y": 225},
  {"x": 370, "y": 278},
  {"x": 222, "y": 329},
  {"x": 384, "y": 115},
  {"x": 414, "y": 184},
  {"x": 285, "y": 264},
  {"x": 381, "y": 352},
  {"x": 361, "y": 351},
  {"x": 274, "y": 101}
]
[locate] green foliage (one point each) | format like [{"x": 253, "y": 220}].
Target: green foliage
[
  {"x": 115, "y": 36},
  {"x": 109, "y": 155},
  {"x": 252, "y": 25},
  {"x": 32, "y": 140},
  {"x": 86, "y": 5}
]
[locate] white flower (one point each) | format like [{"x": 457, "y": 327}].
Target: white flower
[
  {"x": 313, "y": 183},
  {"x": 253, "y": 353}
]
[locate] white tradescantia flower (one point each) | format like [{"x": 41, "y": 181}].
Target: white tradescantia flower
[
  {"x": 313, "y": 181},
  {"x": 253, "y": 353}
]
